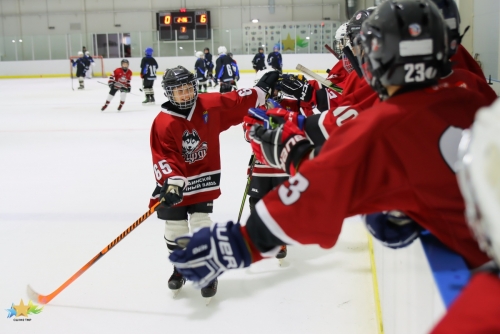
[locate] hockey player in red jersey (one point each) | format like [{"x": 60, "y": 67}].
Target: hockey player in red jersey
[
  {"x": 461, "y": 59},
  {"x": 476, "y": 310},
  {"x": 119, "y": 81},
  {"x": 318, "y": 128},
  {"x": 337, "y": 74},
  {"x": 185, "y": 150},
  {"x": 398, "y": 154}
]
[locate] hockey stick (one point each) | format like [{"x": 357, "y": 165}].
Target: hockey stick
[
  {"x": 353, "y": 60},
  {"x": 44, "y": 299},
  {"x": 319, "y": 78},
  {"x": 332, "y": 51},
  {"x": 249, "y": 178},
  {"x": 103, "y": 83}
]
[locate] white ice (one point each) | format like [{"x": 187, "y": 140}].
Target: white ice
[{"x": 72, "y": 178}]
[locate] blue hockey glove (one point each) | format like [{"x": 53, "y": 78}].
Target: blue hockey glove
[
  {"x": 261, "y": 116},
  {"x": 271, "y": 104},
  {"x": 394, "y": 229},
  {"x": 210, "y": 252}
]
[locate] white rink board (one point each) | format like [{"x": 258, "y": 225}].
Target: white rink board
[{"x": 73, "y": 178}]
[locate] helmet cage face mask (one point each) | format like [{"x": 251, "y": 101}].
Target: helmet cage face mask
[{"x": 183, "y": 92}]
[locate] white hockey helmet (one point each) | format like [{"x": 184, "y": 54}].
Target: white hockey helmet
[
  {"x": 221, "y": 49},
  {"x": 479, "y": 178},
  {"x": 87, "y": 53},
  {"x": 80, "y": 53},
  {"x": 340, "y": 33},
  {"x": 199, "y": 54},
  {"x": 339, "y": 42}
]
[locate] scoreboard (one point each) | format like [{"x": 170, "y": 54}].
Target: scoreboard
[{"x": 189, "y": 25}]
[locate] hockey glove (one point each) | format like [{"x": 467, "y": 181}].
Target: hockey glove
[
  {"x": 281, "y": 116},
  {"x": 210, "y": 252},
  {"x": 255, "y": 116},
  {"x": 170, "y": 194},
  {"x": 268, "y": 81},
  {"x": 394, "y": 229},
  {"x": 297, "y": 86},
  {"x": 282, "y": 148},
  {"x": 271, "y": 104}
]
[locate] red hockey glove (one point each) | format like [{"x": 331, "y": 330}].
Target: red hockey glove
[
  {"x": 248, "y": 122},
  {"x": 282, "y": 148},
  {"x": 142, "y": 76},
  {"x": 281, "y": 116}
]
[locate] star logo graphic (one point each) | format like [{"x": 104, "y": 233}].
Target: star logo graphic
[
  {"x": 288, "y": 43},
  {"x": 11, "y": 311},
  {"x": 21, "y": 309}
]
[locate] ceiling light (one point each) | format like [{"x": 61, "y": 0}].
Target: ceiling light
[{"x": 255, "y": 20}]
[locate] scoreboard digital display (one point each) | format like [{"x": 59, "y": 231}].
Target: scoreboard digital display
[{"x": 188, "y": 25}]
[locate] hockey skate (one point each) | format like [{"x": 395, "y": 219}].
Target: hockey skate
[
  {"x": 281, "y": 254},
  {"x": 151, "y": 99},
  {"x": 120, "y": 106},
  {"x": 81, "y": 87},
  {"x": 209, "y": 291},
  {"x": 105, "y": 106},
  {"x": 176, "y": 281},
  {"x": 146, "y": 101},
  {"x": 210, "y": 84}
]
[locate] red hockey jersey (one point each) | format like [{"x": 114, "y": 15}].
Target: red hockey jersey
[
  {"x": 468, "y": 79},
  {"x": 338, "y": 74},
  {"x": 353, "y": 83},
  {"x": 365, "y": 97},
  {"x": 476, "y": 310},
  {"x": 462, "y": 59},
  {"x": 398, "y": 154},
  {"x": 187, "y": 148},
  {"x": 120, "y": 78}
]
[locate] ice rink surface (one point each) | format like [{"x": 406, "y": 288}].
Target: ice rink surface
[{"x": 72, "y": 178}]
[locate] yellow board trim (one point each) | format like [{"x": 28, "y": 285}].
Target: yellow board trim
[{"x": 376, "y": 294}]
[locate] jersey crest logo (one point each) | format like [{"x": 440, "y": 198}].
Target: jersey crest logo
[
  {"x": 205, "y": 116},
  {"x": 192, "y": 147}
]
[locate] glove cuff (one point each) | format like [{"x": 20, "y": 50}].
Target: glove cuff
[
  {"x": 296, "y": 155},
  {"x": 176, "y": 182}
]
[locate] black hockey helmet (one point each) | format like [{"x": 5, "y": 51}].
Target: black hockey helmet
[
  {"x": 354, "y": 24},
  {"x": 449, "y": 10},
  {"x": 352, "y": 30},
  {"x": 404, "y": 44},
  {"x": 124, "y": 61},
  {"x": 180, "y": 77},
  {"x": 230, "y": 54}
]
